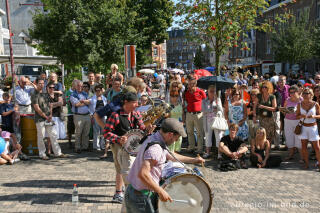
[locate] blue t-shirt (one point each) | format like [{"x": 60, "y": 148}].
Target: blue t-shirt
[{"x": 7, "y": 121}]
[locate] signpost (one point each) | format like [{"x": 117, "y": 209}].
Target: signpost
[{"x": 130, "y": 60}]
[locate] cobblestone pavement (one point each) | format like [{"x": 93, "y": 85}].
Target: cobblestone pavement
[{"x": 46, "y": 186}]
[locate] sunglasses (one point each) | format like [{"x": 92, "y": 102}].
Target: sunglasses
[
  {"x": 98, "y": 90},
  {"x": 51, "y": 87},
  {"x": 237, "y": 94},
  {"x": 263, "y": 87},
  {"x": 317, "y": 79},
  {"x": 306, "y": 93},
  {"x": 84, "y": 86}
]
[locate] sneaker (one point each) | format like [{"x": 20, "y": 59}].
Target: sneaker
[
  {"x": 45, "y": 158},
  {"x": 62, "y": 156},
  {"x": 206, "y": 155},
  {"x": 16, "y": 160},
  {"x": 23, "y": 156},
  {"x": 117, "y": 198}
]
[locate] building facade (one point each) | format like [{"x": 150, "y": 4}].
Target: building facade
[
  {"x": 159, "y": 55},
  {"x": 298, "y": 8},
  {"x": 181, "y": 51}
]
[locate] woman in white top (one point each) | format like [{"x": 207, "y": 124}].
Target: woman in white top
[
  {"x": 97, "y": 102},
  {"x": 210, "y": 107},
  {"x": 308, "y": 111}
]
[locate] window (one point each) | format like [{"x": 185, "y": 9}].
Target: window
[
  {"x": 253, "y": 50},
  {"x": 155, "y": 52},
  {"x": 249, "y": 51},
  {"x": 268, "y": 46},
  {"x": 318, "y": 10}
]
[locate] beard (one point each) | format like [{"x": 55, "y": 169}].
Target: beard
[{"x": 174, "y": 93}]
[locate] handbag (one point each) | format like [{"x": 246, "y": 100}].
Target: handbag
[
  {"x": 219, "y": 123},
  {"x": 298, "y": 128}
]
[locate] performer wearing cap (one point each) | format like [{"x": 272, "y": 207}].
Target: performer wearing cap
[
  {"x": 117, "y": 125},
  {"x": 144, "y": 176}
]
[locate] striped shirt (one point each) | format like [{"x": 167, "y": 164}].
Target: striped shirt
[{"x": 113, "y": 121}]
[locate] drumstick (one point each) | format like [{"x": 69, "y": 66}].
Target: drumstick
[{"x": 202, "y": 164}]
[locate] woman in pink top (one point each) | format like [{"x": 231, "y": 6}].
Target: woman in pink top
[{"x": 291, "y": 121}]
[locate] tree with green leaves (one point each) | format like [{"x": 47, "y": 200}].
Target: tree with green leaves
[
  {"x": 93, "y": 33},
  {"x": 293, "y": 42},
  {"x": 316, "y": 43},
  {"x": 222, "y": 24},
  {"x": 199, "y": 59}
]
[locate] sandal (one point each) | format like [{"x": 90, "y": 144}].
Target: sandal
[
  {"x": 288, "y": 158},
  {"x": 105, "y": 156}
]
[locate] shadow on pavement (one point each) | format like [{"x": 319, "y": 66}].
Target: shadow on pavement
[
  {"x": 64, "y": 184},
  {"x": 53, "y": 198}
]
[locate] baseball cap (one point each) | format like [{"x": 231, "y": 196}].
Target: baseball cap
[
  {"x": 173, "y": 125},
  {"x": 5, "y": 135}
]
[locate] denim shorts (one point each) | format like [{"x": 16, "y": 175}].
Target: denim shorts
[{"x": 137, "y": 202}]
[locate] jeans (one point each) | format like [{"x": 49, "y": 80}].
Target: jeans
[{"x": 136, "y": 202}]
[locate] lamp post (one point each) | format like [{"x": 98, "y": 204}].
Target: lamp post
[{"x": 11, "y": 52}]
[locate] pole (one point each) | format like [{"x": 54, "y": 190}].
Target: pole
[{"x": 11, "y": 53}]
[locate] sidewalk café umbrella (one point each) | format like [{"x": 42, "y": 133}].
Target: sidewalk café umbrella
[
  {"x": 176, "y": 70},
  {"x": 220, "y": 82},
  {"x": 146, "y": 71},
  {"x": 210, "y": 69},
  {"x": 202, "y": 73}
]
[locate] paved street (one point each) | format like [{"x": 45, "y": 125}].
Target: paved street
[{"x": 46, "y": 186}]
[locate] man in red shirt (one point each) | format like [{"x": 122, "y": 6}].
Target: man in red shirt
[{"x": 193, "y": 98}]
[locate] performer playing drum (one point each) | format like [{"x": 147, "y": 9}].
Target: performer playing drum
[
  {"x": 144, "y": 176},
  {"x": 117, "y": 125}
]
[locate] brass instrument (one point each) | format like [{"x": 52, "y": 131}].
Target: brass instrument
[{"x": 156, "y": 113}]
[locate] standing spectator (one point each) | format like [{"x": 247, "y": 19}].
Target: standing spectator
[
  {"x": 98, "y": 78},
  {"x": 291, "y": 121},
  {"x": 236, "y": 112},
  {"x": 114, "y": 74},
  {"x": 81, "y": 117},
  {"x": 317, "y": 79},
  {"x": 316, "y": 98},
  {"x": 211, "y": 106},
  {"x": 43, "y": 75},
  {"x": 70, "y": 123},
  {"x": 97, "y": 102},
  {"x": 175, "y": 101},
  {"x": 252, "y": 125},
  {"x": 56, "y": 111},
  {"x": 308, "y": 111},
  {"x": 43, "y": 119},
  {"x": 264, "y": 108},
  {"x": 161, "y": 81},
  {"x": 7, "y": 111},
  {"x": 193, "y": 98},
  {"x": 58, "y": 88},
  {"x": 23, "y": 96},
  {"x": 91, "y": 81},
  {"x": 86, "y": 89},
  {"x": 115, "y": 90}
]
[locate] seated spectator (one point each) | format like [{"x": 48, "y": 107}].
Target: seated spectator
[
  {"x": 6, "y": 156},
  {"x": 260, "y": 151},
  {"x": 232, "y": 147}
]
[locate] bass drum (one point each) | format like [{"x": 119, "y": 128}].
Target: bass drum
[{"x": 186, "y": 187}]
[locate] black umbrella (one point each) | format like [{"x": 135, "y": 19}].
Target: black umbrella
[{"x": 221, "y": 82}]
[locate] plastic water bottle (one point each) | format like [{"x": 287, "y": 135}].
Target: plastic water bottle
[{"x": 75, "y": 195}]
